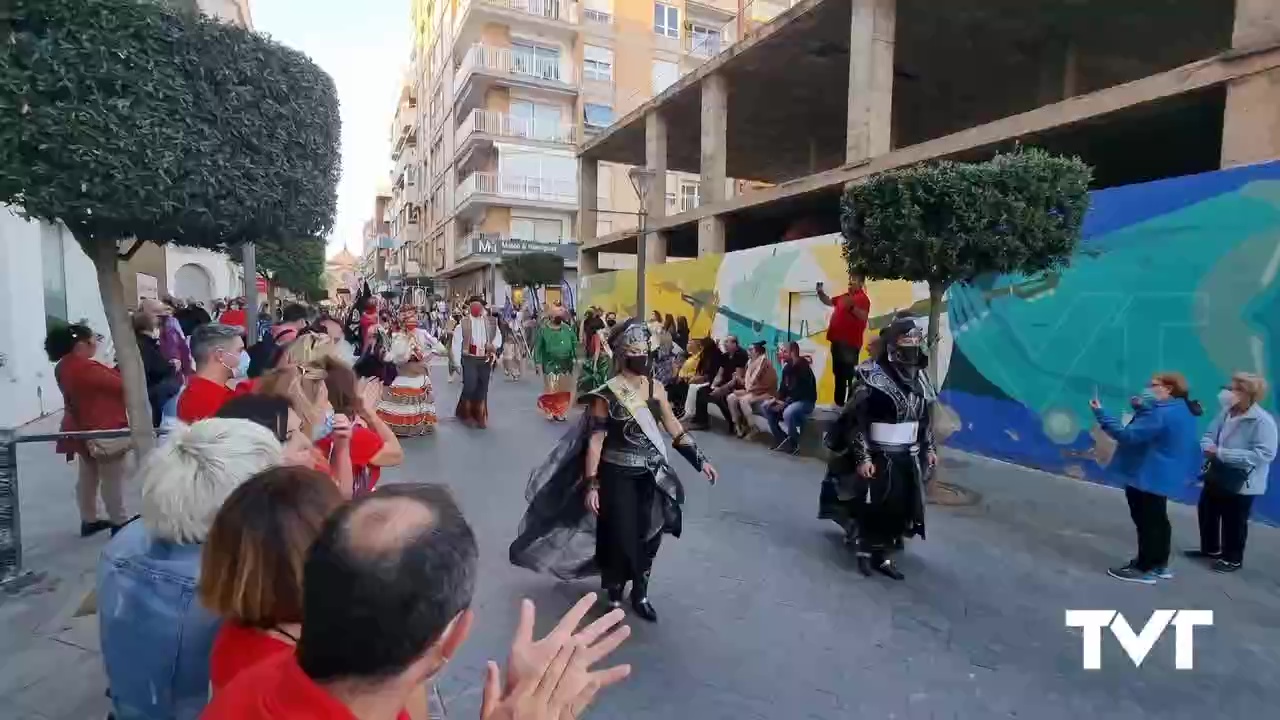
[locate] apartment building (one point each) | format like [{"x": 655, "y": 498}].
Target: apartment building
[{"x": 505, "y": 92}]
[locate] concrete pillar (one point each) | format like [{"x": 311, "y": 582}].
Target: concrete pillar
[
  {"x": 1251, "y": 122},
  {"x": 714, "y": 143},
  {"x": 871, "y": 41},
  {"x": 588, "y": 185},
  {"x": 655, "y": 158},
  {"x": 588, "y": 262}
]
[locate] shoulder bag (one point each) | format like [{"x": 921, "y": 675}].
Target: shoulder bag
[{"x": 1228, "y": 478}]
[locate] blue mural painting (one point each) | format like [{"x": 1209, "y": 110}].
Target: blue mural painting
[{"x": 1175, "y": 275}]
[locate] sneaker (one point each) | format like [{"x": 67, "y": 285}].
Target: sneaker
[
  {"x": 1225, "y": 566},
  {"x": 1164, "y": 573},
  {"x": 1201, "y": 555},
  {"x": 785, "y": 447},
  {"x": 1132, "y": 574}
]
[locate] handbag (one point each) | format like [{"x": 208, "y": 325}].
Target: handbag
[
  {"x": 1218, "y": 474},
  {"x": 108, "y": 449}
]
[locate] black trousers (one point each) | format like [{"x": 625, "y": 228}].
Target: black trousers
[
  {"x": 844, "y": 358},
  {"x": 677, "y": 391},
  {"x": 1150, "y": 514},
  {"x": 1224, "y": 522},
  {"x": 719, "y": 396},
  {"x": 626, "y": 542}
]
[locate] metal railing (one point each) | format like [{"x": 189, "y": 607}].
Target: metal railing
[
  {"x": 505, "y": 125},
  {"x": 560, "y": 10},
  {"x": 518, "y": 187},
  {"x": 596, "y": 17},
  {"x": 519, "y": 63},
  {"x": 705, "y": 45},
  {"x": 13, "y": 575}
]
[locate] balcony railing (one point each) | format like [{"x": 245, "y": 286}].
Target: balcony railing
[
  {"x": 561, "y": 10},
  {"x": 704, "y": 46},
  {"x": 596, "y": 17},
  {"x": 518, "y": 187},
  {"x": 518, "y": 63},
  {"x": 497, "y": 244},
  {"x": 504, "y": 125}
]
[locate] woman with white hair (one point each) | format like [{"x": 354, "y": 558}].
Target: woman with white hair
[
  {"x": 1238, "y": 446},
  {"x": 155, "y": 635}
]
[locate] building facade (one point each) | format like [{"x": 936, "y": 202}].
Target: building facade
[{"x": 500, "y": 95}]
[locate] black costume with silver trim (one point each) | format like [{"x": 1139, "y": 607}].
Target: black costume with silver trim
[{"x": 886, "y": 423}]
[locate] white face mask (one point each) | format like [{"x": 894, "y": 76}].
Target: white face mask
[{"x": 1227, "y": 398}]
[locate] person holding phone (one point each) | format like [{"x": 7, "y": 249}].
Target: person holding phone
[{"x": 845, "y": 332}]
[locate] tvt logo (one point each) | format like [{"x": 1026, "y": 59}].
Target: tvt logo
[{"x": 1138, "y": 645}]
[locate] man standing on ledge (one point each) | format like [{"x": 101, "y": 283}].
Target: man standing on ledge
[
  {"x": 845, "y": 333},
  {"x": 476, "y": 343}
]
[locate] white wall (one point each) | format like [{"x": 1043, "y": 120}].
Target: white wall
[
  {"x": 225, "y": 275},
  {"x": 27, "y": 387}
]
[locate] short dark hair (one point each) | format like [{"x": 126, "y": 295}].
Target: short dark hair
[
  {"x": 293, "y": 312},
  {"x": 375, "y": 600},
  {"x": 269, "y": 411},
  {"x": 62, "y": 339}
]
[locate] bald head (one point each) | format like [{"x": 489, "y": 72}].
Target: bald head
[{"x": 388, "y": 574}]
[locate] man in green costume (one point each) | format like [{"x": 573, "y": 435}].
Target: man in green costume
[{"x": 554, "y": 353}]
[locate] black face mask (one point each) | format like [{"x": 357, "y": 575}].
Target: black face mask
[
  {"x": 638, "y": 364},
  {"x": 909, "y": 355}
]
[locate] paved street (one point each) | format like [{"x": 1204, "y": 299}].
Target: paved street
[{"x": 762, "y": 612}]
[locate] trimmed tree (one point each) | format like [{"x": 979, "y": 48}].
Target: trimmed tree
[
  {"x": 297, "y": 265},
  {"x": 136, "y": 123},
  {"x": 533, "y": 269},
  {"x": 945, "y": 222}
]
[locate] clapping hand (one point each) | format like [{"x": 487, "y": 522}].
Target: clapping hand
[
  {"x": 370, "y": 392},
  {"x": 341, "y": 429}
]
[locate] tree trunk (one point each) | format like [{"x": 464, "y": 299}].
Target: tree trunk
[
  {"x": 128, "y": 357},
  {"x": 936, "y": 293}
]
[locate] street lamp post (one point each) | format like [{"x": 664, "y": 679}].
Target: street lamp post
[{"x": 642, "y": 180}]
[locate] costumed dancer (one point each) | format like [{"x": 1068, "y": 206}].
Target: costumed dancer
[
  {"x": 600, "y": 503},
  {"x": 476, "y": 343},
  {"x": 554, "y": 351},
  {"x": 408, "y": 404},
  {"x": 598, "y": 361},
  {"x": 883, "y": 449},
  {"x": 512, "y": 352}
]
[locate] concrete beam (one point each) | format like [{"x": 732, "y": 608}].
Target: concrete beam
[
  {"x": 1212, "y": 72},
  {"x": 872, "y": 31},
  {"x": 1251, "y": 119},
  {"x": 714, "y": 157},
  {"x": 655, "y": 159}
]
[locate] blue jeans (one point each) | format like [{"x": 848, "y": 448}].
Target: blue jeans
[{"x": 794, "y": 415}]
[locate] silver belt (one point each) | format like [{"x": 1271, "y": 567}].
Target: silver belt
[{"x": 627, "y": 458}]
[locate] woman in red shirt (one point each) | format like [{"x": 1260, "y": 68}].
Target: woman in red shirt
[
  {"x": 374, "y": 445},
  {"x": 251, "y": 569},
  {"x": 93, "y": 397}
]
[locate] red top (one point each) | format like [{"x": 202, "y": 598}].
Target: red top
[
  {"x": 846, "y": 327},
  {"x": 365, "y": 444},
  {"x": 201, "y": 399},
  {"x": 235, "y": 317},
  {"x": 275, "y": 687},
  {"x": 237, "y": 648},
  {"x": 94, "y": 397}
]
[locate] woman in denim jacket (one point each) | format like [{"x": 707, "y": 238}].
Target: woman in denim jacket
[
  {"x": 1243, "y": 436},
  {"x": 1157, "y": 456}
]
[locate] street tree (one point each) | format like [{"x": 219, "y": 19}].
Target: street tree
[
  {"x": 947, "y": 222},
  {"x": 295, "y": 264},
  {"x": 132, "y": 122},
  {"x": 533, "y": 270}
]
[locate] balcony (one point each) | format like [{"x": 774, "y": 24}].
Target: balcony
[
  {"x": 485, "y": 65},
  {"x": 705, "y": 46},
  {"x": 596, "y": 17},
  {"x": 404, "y": 128},
  {"x": 553, "y": 17},
  {"x": 489, "y": 246},
  {"x": 496, "y": 188},
  {"x": 486, "y": 126}
]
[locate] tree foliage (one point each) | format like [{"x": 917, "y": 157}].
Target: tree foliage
[
  {"x": 946, "y": 222},
  {"x": 533, "y": 269},
  {"x": 294, "y": 264},
  {"x": 133, "y": 120}
]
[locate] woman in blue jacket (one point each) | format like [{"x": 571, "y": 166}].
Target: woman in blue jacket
[{"x": 1158, "y": 453}]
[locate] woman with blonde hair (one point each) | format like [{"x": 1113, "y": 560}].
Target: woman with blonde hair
[{"x": 1238, "y": 446}]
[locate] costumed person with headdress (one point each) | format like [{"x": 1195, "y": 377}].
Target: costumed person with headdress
[
  {"x": 408, "y": 404},
  {"x": 554, "y": 351},
  {"x": 597, "y": 362},
  {"x": 882, "y": 451},
  {"x": 601, "y": 501},
  {"x": 476, "y": 344},
  {"x": 512, "y": 350}
]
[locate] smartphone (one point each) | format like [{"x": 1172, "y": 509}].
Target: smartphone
[{"x": 820, "y": 285}]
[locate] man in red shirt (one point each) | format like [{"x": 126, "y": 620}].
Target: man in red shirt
[
  {"x": 220, "y": 356},
  {"x": 845, "y": 332},
  {"x": 387, "y": 590}
]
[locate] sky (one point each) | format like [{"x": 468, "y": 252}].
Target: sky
[{"x": 364, "y": 45}]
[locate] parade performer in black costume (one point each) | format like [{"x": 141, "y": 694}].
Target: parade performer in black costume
[
  {"x": 601, "y": 501},
  {"x": 882, "y": 450}
]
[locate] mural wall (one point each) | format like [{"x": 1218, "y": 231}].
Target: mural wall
[{"x": 1177, "y": 275}]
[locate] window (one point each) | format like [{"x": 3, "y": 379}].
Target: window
[
  {"x": 53, "y": 265},
  {"x": 597, "y": 63},
  {"x": 666, "y": 20},
  {"x": 537, "y": 230},
  {"x": 688, "y": 196},
  {"x": 534, "y": 120},
  {"x": 665, "y": 75},
  {"x": 536, "y": 60},
  {"x": 596, "y": 115},
  {"x": 703, "y": 41},
  {"x": 603, "y": 227}
]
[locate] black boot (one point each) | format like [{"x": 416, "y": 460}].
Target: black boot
[
  {"x": 93, "y": 527},
  {"x": 864, "y": 564},
  {"x": 613, "y": 595},
  {"x": 640, "y": 600},
  {"x": 886, "y": 567}
]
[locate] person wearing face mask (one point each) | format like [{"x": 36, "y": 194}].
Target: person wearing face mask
[
  {"x": 1157, "y": 453},
  {"x": 1238, "y": 446},
  {"x": 476, "y": 344},
  {"x": 554, "y": 353},
  {"x": 220, "y": 358},
  {"x": 882, "y": 449},
  {"x": 610, "y": 478}
]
